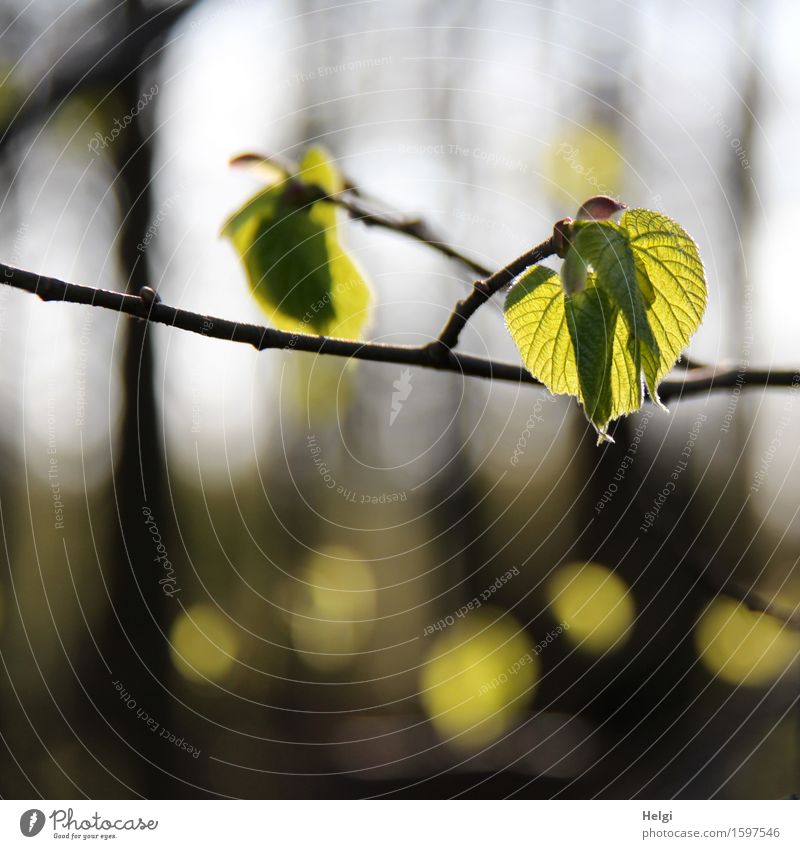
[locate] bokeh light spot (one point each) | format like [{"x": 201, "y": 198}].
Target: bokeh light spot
[
  {"x": 204, "y": 644},
  {"x": 332, "y": 616},
  {"x": 594, "y": 604},
  {"x": 586, "y": 161},
  {"x": 741, "y": 646},
  {"x": 477, "y": 677}
]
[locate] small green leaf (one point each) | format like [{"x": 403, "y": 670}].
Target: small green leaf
[
  {"x": 575, "y": 344},
  {"x": 670, "y": 263},
  {"x": 296, "y": 264},
  {"x": 606, "y": 249},
  {"x": 628, "y": 300}
]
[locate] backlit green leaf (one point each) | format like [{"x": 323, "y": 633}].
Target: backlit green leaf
[
  {"x": 629, "y": 297},
  {"x": 575, "y": 344},
  {"x": 292, "y": 251},
  {"x": 604, "y": 247},
  {"x": 671, "y": 265}
]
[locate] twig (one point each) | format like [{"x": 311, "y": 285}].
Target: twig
[
  {"x": 708, "y": 378},
  {"x": 151, "y": 309},
  {"x": 482, "y": 290},
  {"x": 754, "y": 600},
  {"x": 690, "y": 363},
  {"x": 359, "y": 206},
  {"x": 414, "y": 228}
]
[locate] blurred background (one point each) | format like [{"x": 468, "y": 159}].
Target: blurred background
[{"x": 227, "y": 573}]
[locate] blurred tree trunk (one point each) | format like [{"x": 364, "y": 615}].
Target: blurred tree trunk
[{"x": 136, "y": 640}]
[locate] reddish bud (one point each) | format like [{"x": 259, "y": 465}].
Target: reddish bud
[{"x": 600, "y": 208}]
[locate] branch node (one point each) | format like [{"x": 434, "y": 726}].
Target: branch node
[
  {"x": 437, "y": 353},
  {"x": 149, "y": 295}
]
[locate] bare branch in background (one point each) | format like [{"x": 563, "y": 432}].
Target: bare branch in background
[{"x": 106, "y": 66}]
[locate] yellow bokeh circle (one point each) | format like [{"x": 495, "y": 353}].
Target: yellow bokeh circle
[
  {"x": 585, "y": 161},
  {"x": 593, "y": 604},
  {"x": 204, "y": 643},
  {"x": 333, "y": 610},
  {"x": 478, "y": 676},
  {"x": 741, "y": 646}
]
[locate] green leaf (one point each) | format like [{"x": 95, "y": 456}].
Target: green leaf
[
  {"x": 629, "y": 297},
  {"x": 575, "y": 344},
  {"x": 670, "y": 263},
  {"x": 298, "y": 269},
  {"x": 604, "y": 247}
]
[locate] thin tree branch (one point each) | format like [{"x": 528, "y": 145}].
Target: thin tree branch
[
  {"x": 752, "y": 599},
  {"x": 690, "y": 363},
  {"x": 414, "y": 228},
  {"x": 482, "y": 290},
  {"x": 363, "y": 208},
  {"x": 697, "y": 381},
  {"x": 148, "y": 306}
]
